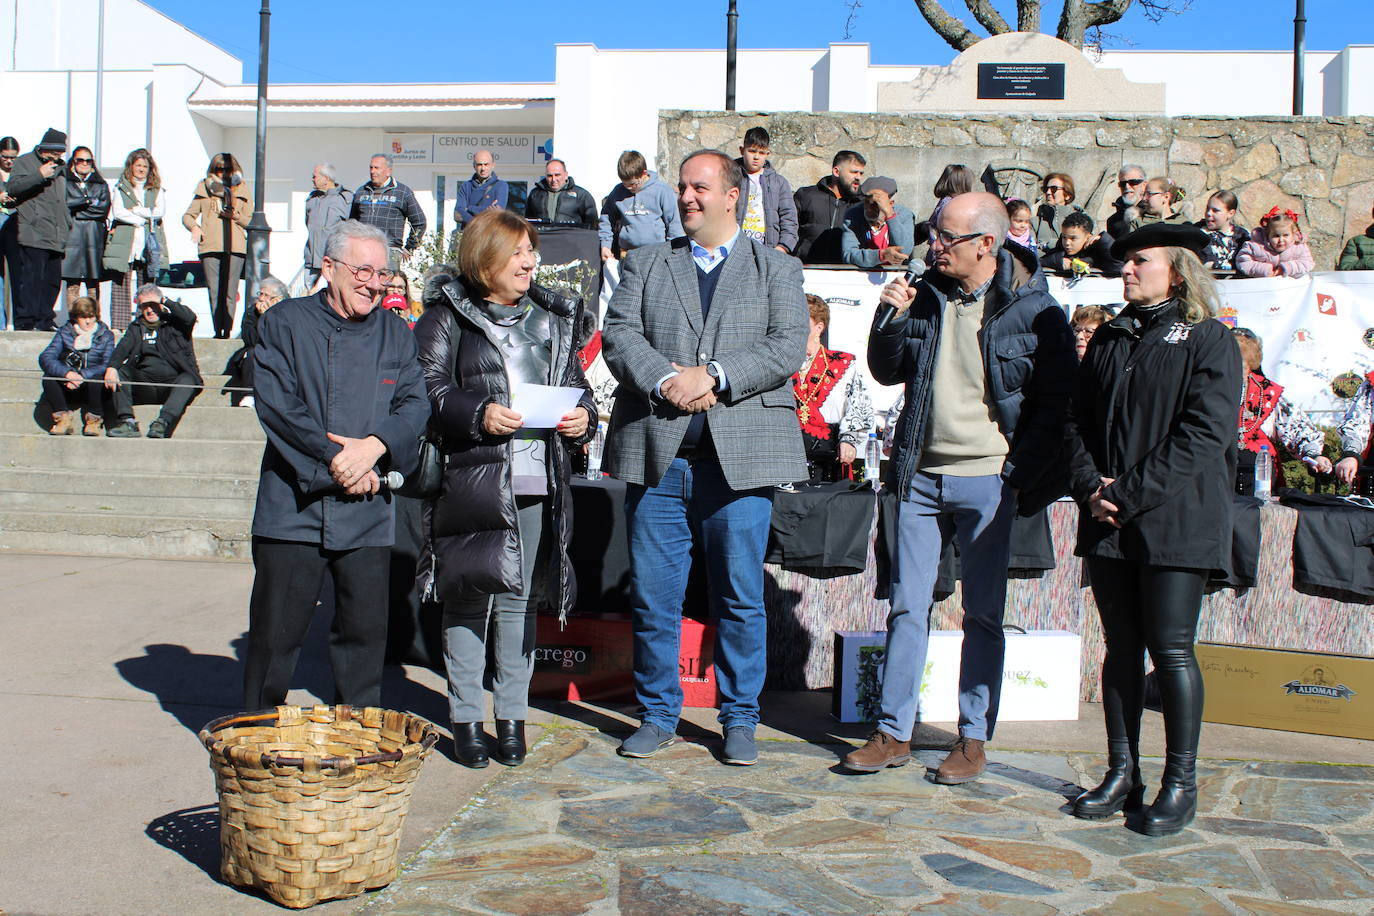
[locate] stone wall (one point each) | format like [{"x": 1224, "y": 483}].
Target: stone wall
[{"x": 1322, "y": 168}]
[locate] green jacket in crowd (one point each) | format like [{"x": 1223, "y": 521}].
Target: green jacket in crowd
[
  {"x": 1358, "y": 253},
  {"x": 118, "y": 246}
]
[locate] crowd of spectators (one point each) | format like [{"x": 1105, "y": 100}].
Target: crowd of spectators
[{"x": 65, "y": 229}]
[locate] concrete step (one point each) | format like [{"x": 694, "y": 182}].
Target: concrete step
[
  {"x": 176, "y": 456},
  {"x": 124, "y": 535},
  {"x": 210, "y": 353},
  {"x": 18, "y": 362},
  {"x": 116, "y": 504},
  {"x": 145, "y": 484},
  {"x": 17, "y": 385},
  {"x": 209, "y": 417}
]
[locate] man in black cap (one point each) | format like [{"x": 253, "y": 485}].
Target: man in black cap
[
  {"x": 39, "y": 189},
  {"x": 878, "y": 232}
]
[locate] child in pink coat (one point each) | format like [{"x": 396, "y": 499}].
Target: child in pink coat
[{"x": 1276, "y": 248}]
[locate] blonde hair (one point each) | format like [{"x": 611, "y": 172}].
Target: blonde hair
[
  {"x": 487, "y": 244},
  {"x": 1167, "y": 185},
  {"x": 1196, "y": 289}
]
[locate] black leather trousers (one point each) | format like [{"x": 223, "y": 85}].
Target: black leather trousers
[{"x": 1152, "y": 608}]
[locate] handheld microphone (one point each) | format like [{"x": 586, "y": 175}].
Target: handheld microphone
[
  {"x": 392, "y": 480},
  {"x": 888, "y": 311}
]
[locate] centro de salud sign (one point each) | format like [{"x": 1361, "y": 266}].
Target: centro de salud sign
[
  {"x": 1021, "y": 81},
  {"x": 511, "y": 149}
]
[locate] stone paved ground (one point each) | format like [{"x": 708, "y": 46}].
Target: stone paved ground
[{"x": 579, "y": 830}]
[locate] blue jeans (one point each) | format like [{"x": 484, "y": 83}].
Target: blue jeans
[
  {"x": 694, "y": 503},
  {"x": 978, "y": 511}
]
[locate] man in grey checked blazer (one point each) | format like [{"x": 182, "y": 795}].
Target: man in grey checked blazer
[{"x": 703, "y": 334}]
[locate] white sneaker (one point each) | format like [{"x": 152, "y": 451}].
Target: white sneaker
[{"x": 247, "y": 401}]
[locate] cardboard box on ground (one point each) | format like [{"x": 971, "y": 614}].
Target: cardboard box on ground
[
  {"x": 1039, "y": 678},
  {"x": 1313, "y": 692}
]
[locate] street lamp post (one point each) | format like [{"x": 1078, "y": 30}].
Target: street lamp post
[
  {"x": 1299, "y": 53},
  {"x": 99, "y": 81},
  {"x": 258, "y": 230},
  {"x": 731, "y": 28}
]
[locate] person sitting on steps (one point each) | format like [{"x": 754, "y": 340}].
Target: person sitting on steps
[{"x": 155, "y": 351}]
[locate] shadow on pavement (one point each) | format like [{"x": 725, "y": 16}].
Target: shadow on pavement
[
  {"x": 191, "y": 687},
  {"x": 193, "y": 834},
  {"x": 195, "y": 688}
]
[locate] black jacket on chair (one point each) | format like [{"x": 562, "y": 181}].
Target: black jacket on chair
[
  {"x": 1155, "y": 410},
  {"x": 474, "y": 530}
]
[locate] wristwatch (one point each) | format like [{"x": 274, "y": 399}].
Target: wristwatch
[{"x": 714, "y": 371}]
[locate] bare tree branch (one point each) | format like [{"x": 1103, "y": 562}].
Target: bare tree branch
[
  {"x": 851, "y": 19},
  {"x": 948, "y": 27},
  {"x": 1080, "y": 22},
  {"x": 1080, "y": 15},
  {"x": 987, "y": 16}
]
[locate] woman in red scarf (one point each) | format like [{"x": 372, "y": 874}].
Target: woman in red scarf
[
  {"x": 1267, "y": 417},
  {"x": 834, "y": 408}
]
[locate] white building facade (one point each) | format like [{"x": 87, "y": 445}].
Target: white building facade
[{"x": 175, "y": 92}]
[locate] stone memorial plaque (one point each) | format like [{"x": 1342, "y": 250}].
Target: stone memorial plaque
[{"x": 1021, "y": 81}]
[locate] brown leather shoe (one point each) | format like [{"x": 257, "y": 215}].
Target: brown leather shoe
[
  {"x": 63, "y": 423},
  {"x": 965, "y": 763},
  {"x": 94, "y": 426},
  {"x": 882, "y": 750}
]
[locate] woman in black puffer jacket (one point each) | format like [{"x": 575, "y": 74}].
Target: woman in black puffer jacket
[{"x": 499, "y": 529}]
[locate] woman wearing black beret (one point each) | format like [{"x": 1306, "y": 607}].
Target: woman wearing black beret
[{"x": 1153, "y": 462}]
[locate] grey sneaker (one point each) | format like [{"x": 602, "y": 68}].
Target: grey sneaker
[
  {"x": 646, "y": 742},
  {"x": 740, "y": 749},
  {"x": 158, "y": 429},
  {"x": 127, "y": 429}
]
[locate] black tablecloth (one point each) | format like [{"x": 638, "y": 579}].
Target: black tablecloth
[
  {"x": 822, "y": 527},
  {"x": 1332, "y": 546}
]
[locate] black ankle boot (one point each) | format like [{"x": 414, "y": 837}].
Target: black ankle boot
[
  {"x": 470, "y": 744},
  {"x": 1176, "y": 803},
  {"x": 510, "y": 741},
  {"x": 1122, "y": 788}
]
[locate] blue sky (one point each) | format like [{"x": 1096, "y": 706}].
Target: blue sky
[{"x": 428, "y": 40}]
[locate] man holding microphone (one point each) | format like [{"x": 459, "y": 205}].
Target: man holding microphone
[
  {"x": 987, "y": 362},
  {"x": 340, "y": 396}
]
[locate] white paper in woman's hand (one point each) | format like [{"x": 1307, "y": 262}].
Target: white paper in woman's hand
[{"x": 543, "y": 406}]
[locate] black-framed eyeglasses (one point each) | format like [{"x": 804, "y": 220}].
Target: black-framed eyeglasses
[
  {"x": 85, "y": 160},
  {"x": 1054, "y": 187},
  {"x": 365, "y": 273},
  {"x": 948, "y": 240},
  {"x": 1130, "y": 183}
]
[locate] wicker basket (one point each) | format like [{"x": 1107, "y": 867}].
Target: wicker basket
[{"x": 311, "y": 800}]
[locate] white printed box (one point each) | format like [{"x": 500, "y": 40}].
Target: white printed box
[{"x": 1040, "y": 677}]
